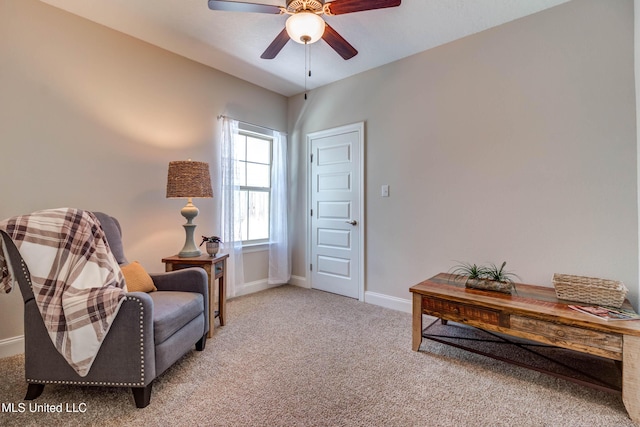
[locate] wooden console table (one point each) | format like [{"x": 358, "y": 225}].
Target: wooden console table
[
  {"x": 535, "y": 314},
  {"x": 216, "y": 268}
]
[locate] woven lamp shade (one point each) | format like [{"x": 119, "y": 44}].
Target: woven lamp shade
[{"x": 189, "y": 179}]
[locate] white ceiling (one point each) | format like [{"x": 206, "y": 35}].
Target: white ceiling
[{"x": 233, "y": 42}]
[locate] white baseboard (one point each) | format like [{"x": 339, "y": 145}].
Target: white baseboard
[
  {"x": 299, "y": 281},
  {"x": 394, "y": 303},
  {"x": 11, "y": 346},
  {"x": 256, "y": 286},
  {"x": 374, "y": 298}
]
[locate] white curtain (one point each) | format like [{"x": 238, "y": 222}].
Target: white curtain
[
  {"x": 229, "y": 218},
  {"x": 279, "y": 254}
]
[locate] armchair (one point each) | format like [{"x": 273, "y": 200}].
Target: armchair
[{"x": 150, "y": 332}]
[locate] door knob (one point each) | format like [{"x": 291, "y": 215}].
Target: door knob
[{"x": 352, "y": 222}]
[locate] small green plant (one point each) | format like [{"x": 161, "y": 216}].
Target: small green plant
[
  {"x": 492, "y": 278},
  {"x": 470, "y": 271},
  {"x": 500, "y": 274},
  {"x": 212, "y": 239},
  {"x": 479, "y": 273}
]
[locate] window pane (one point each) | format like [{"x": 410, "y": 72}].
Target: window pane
[
  {"x": 258, "y": 215},
  {"x": 258, "y": 175},
  {"x": 258, "y": 150},
  {"x": 241, "y": 173},
  {"x": 240, "y": 150},
  {"x": 241, "y": 208}
]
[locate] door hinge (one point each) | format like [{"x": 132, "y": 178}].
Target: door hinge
[
  {"x": 311, "y": 157},
  {"x": 310, "y": 267},
  {"x": 311, "y": 212}
]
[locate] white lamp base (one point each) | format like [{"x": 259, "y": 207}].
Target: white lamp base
[{"x": 189, "y": 249}]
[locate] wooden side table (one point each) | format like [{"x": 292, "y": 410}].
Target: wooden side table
[{"x": 216, "y": 268}]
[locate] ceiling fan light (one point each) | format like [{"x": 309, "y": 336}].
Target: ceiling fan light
[{"x": 305, "y": 27}]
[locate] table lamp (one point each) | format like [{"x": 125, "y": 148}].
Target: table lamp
[{"x": 188, "y": 179}]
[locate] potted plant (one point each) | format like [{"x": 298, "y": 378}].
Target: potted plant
[
  {"x": 213, "y": 244},
  {"x": 500, "y": 274},
  {"x": 470, "y": 271},
  {"x": 491, "y": 278}
]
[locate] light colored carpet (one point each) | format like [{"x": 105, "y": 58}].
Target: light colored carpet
[{"x": 296, "y": 357}]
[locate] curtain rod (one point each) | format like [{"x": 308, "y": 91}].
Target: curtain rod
[{"x": 222, "y": 116}]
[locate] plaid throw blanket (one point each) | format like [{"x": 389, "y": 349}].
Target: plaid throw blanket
[{"x": 77, "y": 283}]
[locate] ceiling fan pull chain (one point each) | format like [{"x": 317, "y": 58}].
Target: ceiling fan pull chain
[
  {"x": 309, "y": 73},
  {"x": 307, "y": 67}
]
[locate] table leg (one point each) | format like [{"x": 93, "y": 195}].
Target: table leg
[
  {"x": 631, "y": 376},
  {"x": 417, "y": 322},
  {"x": 212, "y": 323},
  {"x": 222, "y": 295}
]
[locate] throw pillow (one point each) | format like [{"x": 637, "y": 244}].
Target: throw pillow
[{"x": 137, "y": 279}]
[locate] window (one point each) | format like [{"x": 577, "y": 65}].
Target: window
[{"x": 253, "y": 168}]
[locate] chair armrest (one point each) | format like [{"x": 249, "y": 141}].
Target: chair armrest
[{"x": 193, "y": 279}]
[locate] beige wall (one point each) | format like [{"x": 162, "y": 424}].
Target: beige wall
[
  {"x": 636, "y": 60},
  {"x": 516, "y": 144},
  {"x": 90, "y": 118}
]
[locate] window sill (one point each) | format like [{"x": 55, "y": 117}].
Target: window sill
[{"x": 255, "y": 247}]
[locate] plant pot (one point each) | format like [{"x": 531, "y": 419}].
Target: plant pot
[
  {"x": 212, "y": 248},
  {"x": 490, "y": 285}
]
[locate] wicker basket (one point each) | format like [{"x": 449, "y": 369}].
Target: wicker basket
[{"x": 590, "y": 290}]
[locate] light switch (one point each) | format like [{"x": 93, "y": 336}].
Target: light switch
[{"x": 384, "y": 190}]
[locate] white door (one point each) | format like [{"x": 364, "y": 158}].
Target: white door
[{"x": 336, "y": 213}]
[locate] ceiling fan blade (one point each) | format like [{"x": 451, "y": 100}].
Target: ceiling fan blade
[
  {"x": 339, "y": 7},
  {"x": 236, "y": 6},
  {"x": 338, "y": 43},
  {"x": 276, "y": 45}
]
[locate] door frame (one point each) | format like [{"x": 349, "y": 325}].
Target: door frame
[{"x": 357, "y": 127}]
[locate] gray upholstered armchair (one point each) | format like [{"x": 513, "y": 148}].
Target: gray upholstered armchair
[{"x": 150, "y": 332}]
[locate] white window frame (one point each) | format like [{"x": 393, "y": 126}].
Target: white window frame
[{"x": 257, "y": 243}]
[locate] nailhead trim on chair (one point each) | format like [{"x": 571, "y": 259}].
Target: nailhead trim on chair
[
  {"x": 107, "y": 383},
  {"x": 24, "y": 272}
]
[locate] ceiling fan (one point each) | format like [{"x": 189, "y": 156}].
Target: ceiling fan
[{"x": 305, "y": 25}]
